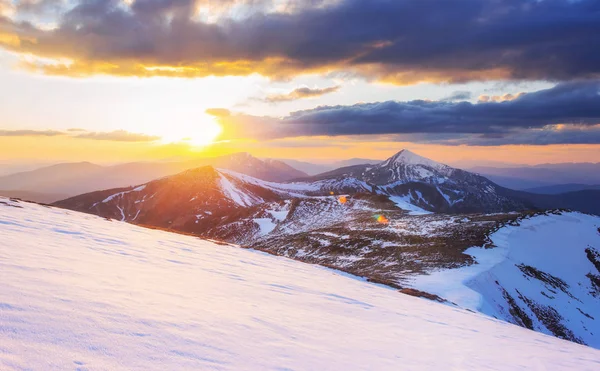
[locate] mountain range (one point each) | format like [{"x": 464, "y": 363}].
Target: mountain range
[
  {"x": 397, "y": 223},
  {"x": 318, "y": 168},
  {"x": 543, "y": 175},
  {"x": 53, "y": 183},
  {"x": 410, "y": 181},
  {"x": 562, "y": 188}
]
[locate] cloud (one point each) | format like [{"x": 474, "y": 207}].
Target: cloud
[
  {"x": 30, "y": 133},
  {"x": 301, "y": 93},
  {"x": 6, "y": 8},
  {"x": 575, "y": 106},
  {"x": 118, "y": 136},
  {"x": 218, "y": 112},
  {"x": 499, "y": 98},
  {"x": 397, "y": 41},
  {"x": 551, "y": 134},
  {"x": 457, "y": 96}
]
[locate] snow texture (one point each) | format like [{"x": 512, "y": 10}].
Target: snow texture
[
  {"x": 81, "y": 292},
  {"x": 120, "y": 194},
  {"x": 405, "y": 203},
  {"x": 236, "y": 195},
  {"x": 554, "y": 246},
  {"x": 266, "y": 225}
]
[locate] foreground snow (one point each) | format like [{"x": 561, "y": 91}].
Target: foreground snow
[{"x": 82, "y": 292}]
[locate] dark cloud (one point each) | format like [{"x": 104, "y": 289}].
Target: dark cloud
[
  {"x": 118, "y": 136},
  {"x": 30, "y": 133},
  {"x": 45, "y": 8},
  {"x": 400, "y": 41},
  {"x": 576, "y": 105},
  {"x": 301, "y": 93},
  {"x": 552, "y": 134}
]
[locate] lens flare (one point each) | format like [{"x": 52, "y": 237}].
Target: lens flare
[{"x": 382, "y": 219}]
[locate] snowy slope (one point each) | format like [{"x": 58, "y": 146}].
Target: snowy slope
[
  {"x": 544, "y": 274},
  {"x": 81, "y": 292}
]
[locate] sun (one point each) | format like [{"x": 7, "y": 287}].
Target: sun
[
  {"x": 206, "y": 135},
  {"x": 201, "y": 135}
]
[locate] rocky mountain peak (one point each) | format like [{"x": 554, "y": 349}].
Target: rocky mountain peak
[{"x": 406, "y": 157}]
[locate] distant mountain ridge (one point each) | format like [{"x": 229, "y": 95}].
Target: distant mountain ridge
[
  {"x": 318, "y": 168},
  {"x": 542, "y": 175},
  {"x": 45, "y": 198},
  {"x": 412, "y": 182},
  {"x": 71, "y": 179},
  {"x": 562, "y": 188}
]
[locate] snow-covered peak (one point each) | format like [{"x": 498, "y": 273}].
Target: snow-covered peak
[{"x": 407, "y": 157}]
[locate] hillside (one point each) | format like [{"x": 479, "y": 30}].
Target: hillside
[
  {"x": 82, "y": 292},
  {"x": 543, "y": 273}
]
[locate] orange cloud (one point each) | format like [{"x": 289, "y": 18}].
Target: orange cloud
[
  {"x": 499, "y": 98},
  {"x": 301, "y": 93}
]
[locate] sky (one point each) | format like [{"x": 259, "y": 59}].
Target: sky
[{"x": 488, "y": 81}]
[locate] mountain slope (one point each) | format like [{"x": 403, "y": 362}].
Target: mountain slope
[
  {"x": 176, "y": 200},
  {"x": 212, "y": 203},
  {"x": 543, "y": 274},
  {"x": 82, "y": 292}
]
